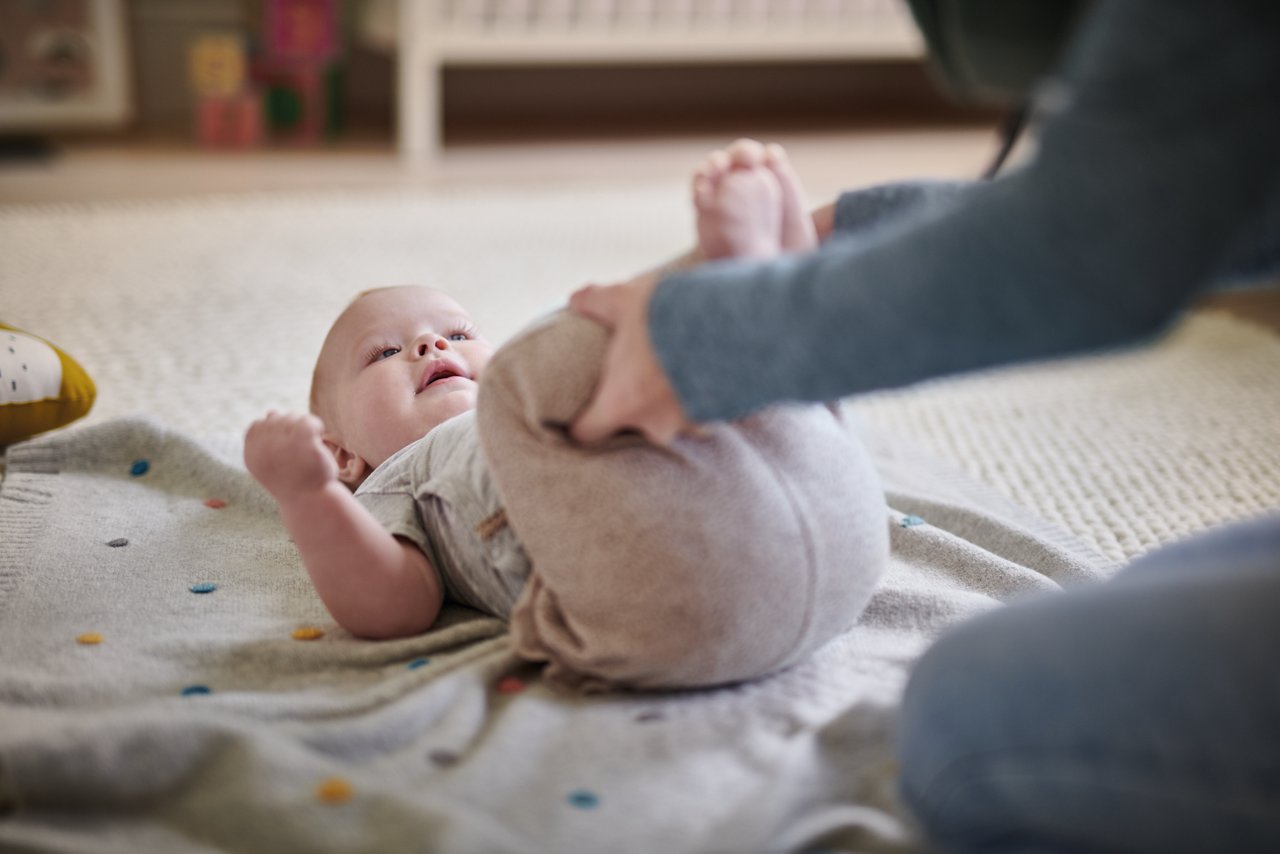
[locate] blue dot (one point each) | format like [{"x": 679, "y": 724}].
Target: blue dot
[
  {"x": 583, "y": 799},
  {"x": 204, "y": 587},
  {"x": 196, "y": 690},
  {"x": 911, "y": 521},
  {"x": 139, "y": 468},
  {"x": 418, "y": 662}
]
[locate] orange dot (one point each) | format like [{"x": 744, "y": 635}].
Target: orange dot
[
  {"x": 510, "y": 685},
  {"x": 308, "y": 633},
  {"x": 215, "y": 503},
  {"x": 89, "y": 638},
  {"x": 335, "y": 790}
]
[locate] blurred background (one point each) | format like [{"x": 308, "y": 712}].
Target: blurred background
[{"x": 110, "y": 99}]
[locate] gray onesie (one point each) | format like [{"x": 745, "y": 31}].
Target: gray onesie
[{"x": 438, "y": 494}]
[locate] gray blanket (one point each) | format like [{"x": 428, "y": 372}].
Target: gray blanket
[{"x": 163, "y": 687}]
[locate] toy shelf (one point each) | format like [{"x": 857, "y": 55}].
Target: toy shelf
[{"x": 429, "y": 35}]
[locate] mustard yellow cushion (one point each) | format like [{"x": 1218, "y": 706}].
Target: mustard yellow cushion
[{"x": 41, "y": 387}]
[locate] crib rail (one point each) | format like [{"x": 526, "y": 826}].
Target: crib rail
[
  {"x": 434, "y": 33},
  {"x": 639, "y": 17}
]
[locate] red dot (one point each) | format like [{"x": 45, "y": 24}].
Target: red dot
[
  {"x": 215, "y": 503},
  {"x": 510, "y": 685}
]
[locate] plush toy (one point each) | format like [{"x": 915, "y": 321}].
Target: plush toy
[{"x": 41, "y": 387}]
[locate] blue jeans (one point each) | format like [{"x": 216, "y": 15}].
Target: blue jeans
[{"x": 1140, "y": 715}]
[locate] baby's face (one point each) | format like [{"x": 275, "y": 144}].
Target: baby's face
[{"x": 398, "y": 362}]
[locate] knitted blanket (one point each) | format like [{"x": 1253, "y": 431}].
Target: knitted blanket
[
  {"x": 170, "y": 682},
  {"x": 197, "y": 721}
]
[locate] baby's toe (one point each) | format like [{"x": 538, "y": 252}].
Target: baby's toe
[
  {"x": 704, "y": 191},
  {"x": 717, "y": 164},
  {"x": 746, "y": 154}
]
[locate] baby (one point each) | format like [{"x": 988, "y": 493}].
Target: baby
[{"x": 434, "y": 469}]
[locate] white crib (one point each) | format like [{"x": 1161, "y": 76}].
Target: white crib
[{"x": 430, "y": 34}]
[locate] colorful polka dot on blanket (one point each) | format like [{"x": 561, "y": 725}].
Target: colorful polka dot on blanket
[
  {"x": 118, "y": 542},
  {"x": 215, "y": 503},
  {"x": 911, "y": 521},
  {"x": 139, "y": 468},
  {"x": 510, "y": 685},
  {"x": 203, "y": 587},
  {"x": 308, "y": 633},
  {"x": 196, "y": 690},
  {"x": 89, "y": 639},
  {"x": 335, "y": 790},
  {"x": 583, "y": 799},
  {"x": 443, "y": 758},
  {"x": 418, "y": 662}
]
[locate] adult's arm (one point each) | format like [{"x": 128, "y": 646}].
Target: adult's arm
[
  {"x": 1159, "y": 151},
  {"x": 1254, "y": 254}
]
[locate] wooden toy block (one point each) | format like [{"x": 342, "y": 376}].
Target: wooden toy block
[
  {"x": 302, "y": 100},
  {"x": 217, "y": 65},
  {"x": 234, "y": 121}
]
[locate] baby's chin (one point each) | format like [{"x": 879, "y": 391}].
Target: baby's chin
[{"x": 446, "y": 408}]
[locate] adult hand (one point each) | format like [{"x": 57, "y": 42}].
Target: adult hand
[{"x": 633, "y": 391}]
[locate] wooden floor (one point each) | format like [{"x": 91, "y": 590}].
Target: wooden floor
[
  {"x": 95, "y": 171},
  {"x": 828, "y": 161}
]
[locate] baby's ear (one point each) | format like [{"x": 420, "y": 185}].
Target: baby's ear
[{"x": 352, "y": 468}]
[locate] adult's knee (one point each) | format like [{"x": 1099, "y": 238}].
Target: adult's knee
[{"x": 972, "y": 716}]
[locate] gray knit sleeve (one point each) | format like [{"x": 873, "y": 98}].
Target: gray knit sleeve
[
  {"x": 860, "y": 211},
  {"x": 1150, "y": 168}
]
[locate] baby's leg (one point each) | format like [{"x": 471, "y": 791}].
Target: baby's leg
[
  {"x": 719, "y": 558},
  {"x": 750, "y": 204}
]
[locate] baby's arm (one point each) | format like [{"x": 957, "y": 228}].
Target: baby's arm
[{"x": 374, "y": 585}]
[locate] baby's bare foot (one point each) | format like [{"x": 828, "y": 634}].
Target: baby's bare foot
[
  {"x": 739, "y": 204},
  {"x": 798, "y": 233}
]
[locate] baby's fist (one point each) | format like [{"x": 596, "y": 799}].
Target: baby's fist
[{"x": 286, "y": 454}]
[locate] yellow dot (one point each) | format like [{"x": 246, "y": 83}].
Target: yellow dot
[
  {"x": 89, "y": 638},
  {"x": 308, "y": 633},
  {"x": 335, "y": 790}
]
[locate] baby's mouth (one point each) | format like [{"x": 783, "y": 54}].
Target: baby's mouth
[{"x": 439, "y": 370}]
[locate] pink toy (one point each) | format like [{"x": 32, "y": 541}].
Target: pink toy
[
  {"x": 234, "y": 121},
  {"x": 300, "y": 29}
]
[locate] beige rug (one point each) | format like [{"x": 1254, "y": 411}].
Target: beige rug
[{"x": 205, "y": 313}]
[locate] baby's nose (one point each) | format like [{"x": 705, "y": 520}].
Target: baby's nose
[{"x": 437, "y": 342}]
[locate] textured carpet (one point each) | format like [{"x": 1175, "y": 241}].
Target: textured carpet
[
  {"x": 205, "y": 313},
  {"x": 1129, "y": 449}
]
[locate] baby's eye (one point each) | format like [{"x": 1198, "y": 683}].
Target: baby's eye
[
  {"x": 380, "y": 353},
  {"x": 459, "y": 336}
]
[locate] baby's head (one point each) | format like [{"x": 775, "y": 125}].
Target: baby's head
[{"x": 396, "y": 363}]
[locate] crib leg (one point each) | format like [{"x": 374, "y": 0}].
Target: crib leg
[{"x": 418, "y": 107}]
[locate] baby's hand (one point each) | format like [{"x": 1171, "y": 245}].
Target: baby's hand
[{"x": 287, "y": 456}]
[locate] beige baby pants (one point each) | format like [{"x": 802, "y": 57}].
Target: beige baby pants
[{"x": 721, "y": 558}]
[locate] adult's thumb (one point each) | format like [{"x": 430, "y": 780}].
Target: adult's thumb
[{"x": 601, "y": 303}]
